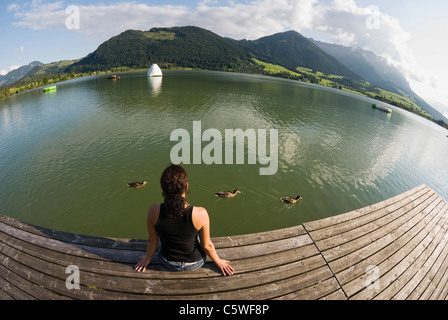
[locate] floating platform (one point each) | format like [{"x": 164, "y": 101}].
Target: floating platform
[
  {"x": 395, "y": 249},
  {"x": 381, "y": 108},
  {"x": 50, "y": 88}
]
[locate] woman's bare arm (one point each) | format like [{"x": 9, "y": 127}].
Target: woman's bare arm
[
  {"x": 153, "y": 239},
  {"x": 201, "y": 221}
]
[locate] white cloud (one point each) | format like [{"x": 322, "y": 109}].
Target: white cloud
[
  {"x": 342, "y": 19},
  {"x": 236, "y": 20},
  {"x": 12, "y": 68},
  {"x": 369, "y": 29}
]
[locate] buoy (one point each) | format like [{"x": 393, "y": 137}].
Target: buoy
[
  {"x": 154, "y": 71},
  {"x": 51, "y": 88},
  {"x": 375, "y": 106}
]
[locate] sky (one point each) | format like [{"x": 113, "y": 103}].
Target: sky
[{"x": 409, "y": 34}]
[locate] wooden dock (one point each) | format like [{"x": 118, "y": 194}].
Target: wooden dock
[{"x": 396, "y": 249}]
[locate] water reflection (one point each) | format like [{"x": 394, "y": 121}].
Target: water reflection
[{"x": 155, "y": 84}]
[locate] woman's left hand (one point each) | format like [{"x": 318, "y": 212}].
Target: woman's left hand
[{"x": 225, "y": 267}]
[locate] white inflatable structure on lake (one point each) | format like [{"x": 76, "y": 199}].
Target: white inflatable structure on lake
[{"x": 154, "y": 71}]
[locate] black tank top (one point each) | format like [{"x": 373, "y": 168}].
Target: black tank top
[{"x": 179, "y": 237}]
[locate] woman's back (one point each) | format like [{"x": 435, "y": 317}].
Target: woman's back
[{"x": 179, "y": 236}]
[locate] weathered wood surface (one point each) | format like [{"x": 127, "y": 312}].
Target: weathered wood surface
[{"x": 395, "y": 249}]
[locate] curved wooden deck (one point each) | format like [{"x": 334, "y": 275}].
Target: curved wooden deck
[{"x": 396, "y": 249}]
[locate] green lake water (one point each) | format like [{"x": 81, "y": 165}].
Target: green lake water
[{"x": 66, "y": 156}]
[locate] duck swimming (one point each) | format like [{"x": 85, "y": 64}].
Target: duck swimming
[
  {"x": 227, "y": 194},
  {"x": 137, "y": 185},
  {"x": 291, "y": 200}
]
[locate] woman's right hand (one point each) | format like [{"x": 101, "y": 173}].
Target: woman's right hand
[
  {"x": 142, "y": 264},
  {"x": 225, "y": 267}
]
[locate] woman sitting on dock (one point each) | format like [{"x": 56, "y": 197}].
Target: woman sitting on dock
[{"x": 178, "y": 225}]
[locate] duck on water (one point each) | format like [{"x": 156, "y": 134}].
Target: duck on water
[
  {"x": 291, "y": 200},
  {"x": 137, "y": 185},
  {"x": 227, "y": 194}
]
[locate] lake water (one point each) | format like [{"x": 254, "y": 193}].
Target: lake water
[{"x": 66, "y": 156}]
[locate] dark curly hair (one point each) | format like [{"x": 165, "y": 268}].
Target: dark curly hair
[{"x": 174, "y": 183}]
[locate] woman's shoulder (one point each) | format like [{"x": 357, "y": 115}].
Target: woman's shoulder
[
  {"x": 199, "y": 217},
  {"x": 199, "y": 210},
  {"x": 155, "y": 207}
]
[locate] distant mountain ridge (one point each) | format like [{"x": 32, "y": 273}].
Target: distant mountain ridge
[
  {"x": 377, "y": 71},
  {"x": 291, "y": 50},
  {"x": 187, "y": 47},
  {"x": 17, "y": 74},
  {"x": 194, "y": 47}
]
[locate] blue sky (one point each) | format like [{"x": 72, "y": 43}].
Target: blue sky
[{"x": 408, "y": 33}]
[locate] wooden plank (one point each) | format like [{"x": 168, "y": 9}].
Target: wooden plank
[
  {"x": 357, "y": 230},
  {"x": 405, "y": 236},
  {"x": 274, "y": 289},
  {"x": 363, "y": 253},
  {"x": 394, "y": 251},
  {"x": 131, "y": 256},
  {"x": 324, "y": 223},
  {"x": 3, "y": 295},
  {"x": 125, "y": 244},
  {"x": 12, "y": 292},
  {"x": 54, "y": 272},
  {"x": 417, "y": 281},
  {"x": 436, "y": 293},
  {"x": 442, "y": 290},
  {"x": 337, "y": 295},
  {"x": 58, "y": 285},
  {"x": 410, "y": 265},
  {"x": 139, "y": 244},
  {"x": 395, "y": 269},
  {"x": 121, "y": 269},
  {"x": 432, "y": 279},
  {"x": 258, "y": 238},
  {"x": 106, "y": 267},
  {"x": 29, "y": 291},
  {"x": 317, "y": 291}
]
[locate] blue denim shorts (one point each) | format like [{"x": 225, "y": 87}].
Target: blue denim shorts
[{"x": 182, "y": 266}]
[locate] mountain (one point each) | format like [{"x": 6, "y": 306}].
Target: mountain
[
  {"x": 17, "y": 74},
  {"x": 291, "y": 50},
  {"x": 377, "y": 71},
  {"x": 48, "y": 70},
  {"x": 193, "y": 47},
  {"x": 187, "y": 47}
]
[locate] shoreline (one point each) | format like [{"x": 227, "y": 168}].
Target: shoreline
[{"x": 288, "y": 75}]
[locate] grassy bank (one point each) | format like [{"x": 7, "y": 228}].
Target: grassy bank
[
  {"x": 339, "y": 82},
  {"x": 362, "y": 87}
]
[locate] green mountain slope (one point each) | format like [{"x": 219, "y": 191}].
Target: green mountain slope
[
  {"x": 292, "y": 50},
  {"x": 186, "y": 47},
  {"x": 376, "y": 71}
]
